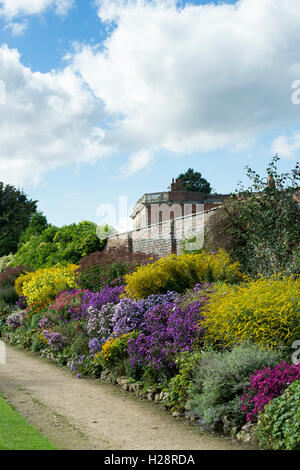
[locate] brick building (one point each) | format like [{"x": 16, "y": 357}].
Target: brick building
[{"x": 156, "y": 208}]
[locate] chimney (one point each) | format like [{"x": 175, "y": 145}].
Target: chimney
[{"x": 177, "y": 185}]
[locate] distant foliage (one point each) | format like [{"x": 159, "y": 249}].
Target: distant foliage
[
  {"x": 58, "y": 245},
  {"x": 15, "y": 213},
  {"x": 193, "y": 181},
  {"x": 10, "y": 274},
  {"x": 265, "y": 311},
  {"x": 38, "y": 223},
  {"x": 178, "y": 273}
]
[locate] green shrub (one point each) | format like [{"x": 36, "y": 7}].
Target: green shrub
[
  {"x": 5, "y": 261},
  {"x": 5, "y": 310},
  {"x": 8, "y": 295},
  {"x": 179, "y": 386},
  {"x": 260, "y": 226},
  {"x": 278, "y": 427},
  {"x": 221, "y": 378}
]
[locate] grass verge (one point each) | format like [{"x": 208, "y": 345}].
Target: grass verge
[{"x": 17, "y": 434}]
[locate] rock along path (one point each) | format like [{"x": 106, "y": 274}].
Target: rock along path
[{"x": 87, "y": 414}]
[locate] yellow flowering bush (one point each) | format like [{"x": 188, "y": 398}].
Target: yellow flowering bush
[
  {"x": 178, "y": 273},
  {"x": 20, "y": 281},
  {"x": 265, "y": 311},
  {"x": 41, "y": 287},
  {"x": 115, "y": 352}
]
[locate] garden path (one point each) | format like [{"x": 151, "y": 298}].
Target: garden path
[{"x": 88, "y": 414}]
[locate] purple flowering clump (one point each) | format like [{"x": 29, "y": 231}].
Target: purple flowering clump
[
  {"x": 55, "y": 340},
  {"x": 21, "y": 303},
  {"x": 95, "y": 345},
  {"x": 131, "y": 314},
  {"x": 98, "y": 299},
  {"x": 267, "y": 384},
  {"x": 117, "y": 319},
  {"x": 14, "y": 320},
  {"x": 100, "y": 324},
  {"x": 169, "y": 330}
]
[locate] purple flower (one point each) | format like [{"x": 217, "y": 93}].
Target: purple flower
[
  {"x": 55, "y": 340},
  {"x": 170, "y": 329},
  {"x": 267, "y": 384},
  {"x": 14, "y": 320}
]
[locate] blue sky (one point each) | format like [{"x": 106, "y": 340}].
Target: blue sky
[{"x": 107, "y": 99}]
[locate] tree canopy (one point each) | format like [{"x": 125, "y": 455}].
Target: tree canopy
[
  {"x": 16, "y": 211},
  {"x": 54, "y": 245},
  {"x": 193, "y": 181}
]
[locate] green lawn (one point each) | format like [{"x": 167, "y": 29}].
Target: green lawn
[{"x": 17, "y": 434}]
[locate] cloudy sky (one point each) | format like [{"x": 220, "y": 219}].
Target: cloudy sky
[{"x": 102, "y": 99}]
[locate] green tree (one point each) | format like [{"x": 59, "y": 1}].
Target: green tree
[
  {"x": 53, "y": 245},
  {"x": 193, "y": 181},
  {"x": 16, "y": 211}
]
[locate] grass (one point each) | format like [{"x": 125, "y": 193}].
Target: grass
[{"x": 17, "y": 434}]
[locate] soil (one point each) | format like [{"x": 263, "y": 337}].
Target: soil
[{"x": 87, "y": 414}]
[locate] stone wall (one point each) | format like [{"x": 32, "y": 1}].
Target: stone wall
[{"x": 166, "y": 237}]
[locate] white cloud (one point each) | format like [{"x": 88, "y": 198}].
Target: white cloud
[
  {"x": 194, "y": 79},
  {"x": 49, "y": 120},
  {"x": 17, "y": 28},
  {"x": 187, "y": 80},
  {"x": 137, "y": 162},
  {"x": 286, "y": 147},
  {"x": 14, "y": 8}
]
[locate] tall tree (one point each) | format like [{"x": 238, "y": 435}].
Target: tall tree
[
  {"x": 193, "y": 181},
  {"x": 16, "y": 211}
]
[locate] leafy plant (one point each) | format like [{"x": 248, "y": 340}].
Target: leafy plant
[
  {"x": 178, "y": 388},
  {"x": 263, "y": 221},
  {"x": 222, "y": 377},
  {"x": 5, "y": 261},
  {"x": 278, "y": 427}
]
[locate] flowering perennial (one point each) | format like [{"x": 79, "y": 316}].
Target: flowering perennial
[{"x": 266, "y": 385}]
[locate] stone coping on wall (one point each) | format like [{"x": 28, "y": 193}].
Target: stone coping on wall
[{"x": 188, "y": 216}]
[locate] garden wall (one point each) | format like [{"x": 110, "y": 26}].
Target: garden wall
[{"x": 166, "y": 237}]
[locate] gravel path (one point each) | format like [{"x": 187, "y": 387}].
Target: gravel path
[{"x": 87, "y": 414}]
